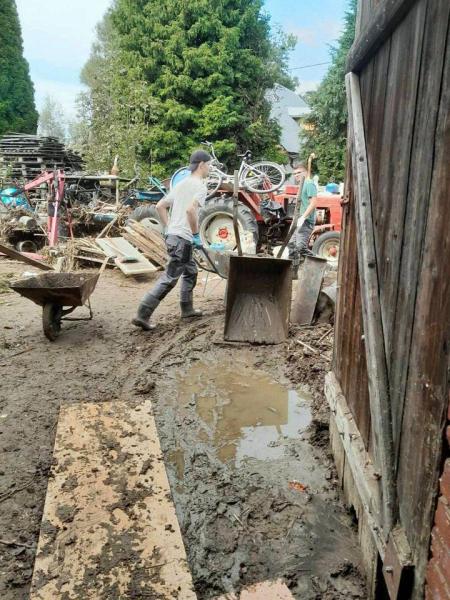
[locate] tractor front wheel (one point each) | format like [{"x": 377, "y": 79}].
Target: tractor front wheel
[{"x": 327, "y": 246}]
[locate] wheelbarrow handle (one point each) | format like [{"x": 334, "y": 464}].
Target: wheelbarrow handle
[{"x": 103, "y": 265}]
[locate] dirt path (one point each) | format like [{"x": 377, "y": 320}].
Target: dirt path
[{"x": 244, "y": 439}]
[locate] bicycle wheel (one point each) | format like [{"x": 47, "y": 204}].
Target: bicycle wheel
[
  {"x": 213, "y": 183},
  {"x": 263, "y": 177}
]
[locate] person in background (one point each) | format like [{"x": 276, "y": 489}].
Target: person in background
[
  {"x": 184, "y": 200},
  {"x": 299, "y": 243}
]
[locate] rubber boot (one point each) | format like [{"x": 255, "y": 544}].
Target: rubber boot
[
  {"x": 188, "y": 310},
  {"x": 142, "y": 318}
]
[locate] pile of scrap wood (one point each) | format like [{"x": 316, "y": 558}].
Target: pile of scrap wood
[
  {"x": 148, "y": 241},
  {"x": 84, "y": 250}
]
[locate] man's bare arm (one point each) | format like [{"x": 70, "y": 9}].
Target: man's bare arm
[
  {"x": 192, "y": 216},
  {"x": 162, "y": 209}
]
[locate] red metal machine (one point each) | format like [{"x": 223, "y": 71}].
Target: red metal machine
[{"x": 55, "y": 181}]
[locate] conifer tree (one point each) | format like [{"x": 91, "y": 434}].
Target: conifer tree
[
  {"x": 17, "y": 109},
  {"x": 327, "y": 134},
  {"x": 177, "y": 72}
]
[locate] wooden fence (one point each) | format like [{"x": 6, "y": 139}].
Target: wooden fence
[{"x": 389, "y": 387}]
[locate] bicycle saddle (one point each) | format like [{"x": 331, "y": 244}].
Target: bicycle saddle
[{"x": 247, "y": 154}]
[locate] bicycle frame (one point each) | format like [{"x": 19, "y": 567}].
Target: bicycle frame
[{"x": 215, "y": 165}]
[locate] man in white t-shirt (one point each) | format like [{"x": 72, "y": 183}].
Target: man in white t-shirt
[{"x": 184, "y": 200}]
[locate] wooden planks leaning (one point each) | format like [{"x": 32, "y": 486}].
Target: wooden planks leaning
[
  {"x": 148, "y": 241},
  {"x": 109, "y": 528}
]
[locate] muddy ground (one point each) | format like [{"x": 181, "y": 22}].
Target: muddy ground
[{"x": 243, "y": 430}]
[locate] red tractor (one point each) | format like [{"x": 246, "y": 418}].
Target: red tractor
[{"x": 267, "y": 220}]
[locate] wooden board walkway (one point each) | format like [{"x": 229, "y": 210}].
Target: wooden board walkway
[
  {"x": 266, "y": 590},
  {"x": 109, "y": 528}
]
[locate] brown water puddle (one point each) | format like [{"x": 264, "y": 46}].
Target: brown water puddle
[{"x": 244, "y": 412}]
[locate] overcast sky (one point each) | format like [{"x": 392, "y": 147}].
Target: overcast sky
[{"x": 58, "y": 36}]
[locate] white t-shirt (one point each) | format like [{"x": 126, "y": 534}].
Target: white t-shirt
[{"x": 179, "y": 199}]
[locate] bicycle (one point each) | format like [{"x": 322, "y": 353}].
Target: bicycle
[{"x": 260, "y": 177}]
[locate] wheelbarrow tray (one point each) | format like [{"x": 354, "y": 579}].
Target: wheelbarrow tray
[
  {"x": 64, "y": 289},
  {"x": 258, "y": 300}
]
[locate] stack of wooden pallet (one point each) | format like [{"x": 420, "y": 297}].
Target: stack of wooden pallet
[
  {"x": 149, "y": 241},
  {"x": 26, "y": 156}
]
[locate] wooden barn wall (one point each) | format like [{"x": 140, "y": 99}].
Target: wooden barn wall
[{"x": 405, "y": 101}]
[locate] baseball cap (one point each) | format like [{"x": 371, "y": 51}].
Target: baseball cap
[{"x": 197, "y": 157}]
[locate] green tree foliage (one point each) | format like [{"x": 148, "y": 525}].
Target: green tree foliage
[
  {"x": 17, "y": 109},
  {"x": 328, "y": 118},
  {"x": 167, "y": 74},
  {"x": 52, "y": 119}
]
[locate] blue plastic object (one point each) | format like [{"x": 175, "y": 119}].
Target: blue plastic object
[
  {"x": 145, "y": 196},
  {"x": 10, "y": 201},
  {"x": 218, "y": 246},
  {"x": 179, "y": 176},
  {"x": 332, "y": 188}
]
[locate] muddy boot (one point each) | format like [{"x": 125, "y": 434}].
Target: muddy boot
[
  {"x": 188, "y": 310},
  {"x": 142, "y": 318}
]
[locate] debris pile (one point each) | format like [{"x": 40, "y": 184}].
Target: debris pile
[
  {"x": 26, "y": 156},
  {"x": 148, "y": 241}
]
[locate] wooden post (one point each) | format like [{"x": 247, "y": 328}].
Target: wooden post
[
  {"x": 235, "y": 212},
  {"x": 293, "y": 227},
  {"x": 380, "y": 408},
  {"x": 117, "y": 192}
]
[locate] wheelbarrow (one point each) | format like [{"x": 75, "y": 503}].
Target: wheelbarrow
[{"x": 59, "y": 294}]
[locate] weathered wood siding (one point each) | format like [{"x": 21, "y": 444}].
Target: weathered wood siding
[{"x": 405, "y": 95}]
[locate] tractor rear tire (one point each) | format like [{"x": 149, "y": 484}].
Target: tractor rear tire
[
  {"x": 216, "y": 222},
  {"x": 148, "y": 216}
]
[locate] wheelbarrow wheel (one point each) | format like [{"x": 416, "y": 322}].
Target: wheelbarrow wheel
[{"x": 51, "y": 320}]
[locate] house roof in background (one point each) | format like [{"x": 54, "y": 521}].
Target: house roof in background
[{"x": 286, "y": 107}]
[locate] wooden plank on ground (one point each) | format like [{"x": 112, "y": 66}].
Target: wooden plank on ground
[
  {"x": 12, "y": 253},
  {"x": 266, "y": 590},
  {"x": 119, "y": 248},
  {"x": 109, "y": 528}
]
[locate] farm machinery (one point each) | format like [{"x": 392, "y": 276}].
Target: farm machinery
[
  {"x": 263, "y": 219},
  {"x": 264, "y": 212}
]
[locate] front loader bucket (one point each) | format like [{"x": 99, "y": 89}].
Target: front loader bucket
[{"x": 258, "y": 300}]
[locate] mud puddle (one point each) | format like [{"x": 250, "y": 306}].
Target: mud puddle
[
  {"x": 255, "y": 499},
  {"x": 243, "y": 411}
]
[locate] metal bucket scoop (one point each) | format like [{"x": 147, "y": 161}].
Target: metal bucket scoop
[{"x": 258, "y": 300}]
